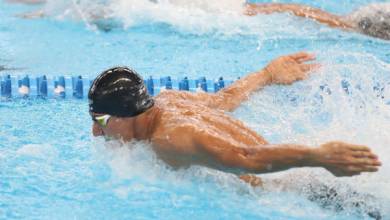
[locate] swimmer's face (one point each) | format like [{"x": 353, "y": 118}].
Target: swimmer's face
[{"x": 113, "y": 127}]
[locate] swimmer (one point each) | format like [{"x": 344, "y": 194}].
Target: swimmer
[
  {"x": 372, "y": 20},
  {"x": 187, "y": 128}
]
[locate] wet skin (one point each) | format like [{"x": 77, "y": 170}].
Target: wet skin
[
  {"x": 364, "y": 26},
  {"x": 375, "y": 25},
  {"x": 193, "y": 128},
  {"x": 300, "y": 10}
]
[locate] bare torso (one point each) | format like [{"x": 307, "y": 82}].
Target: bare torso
[
  {"x": 178, "y": 111},
  {"x": 194, "y": 129}
]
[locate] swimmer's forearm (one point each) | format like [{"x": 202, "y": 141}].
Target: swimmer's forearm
[
  {"x": 232, "y": 96},
  {"x": 299, "y": 10},
  {"x": 248, "y": 84},
  {"x": 272, "y": 158}
]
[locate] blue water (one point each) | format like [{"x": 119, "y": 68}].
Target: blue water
[{"x": 52, "y": 168}]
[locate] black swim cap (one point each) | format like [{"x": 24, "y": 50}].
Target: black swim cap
[{"x": 120, "y": 92}]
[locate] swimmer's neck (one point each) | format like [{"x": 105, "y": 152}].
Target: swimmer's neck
[{"x": 145, "y": 124}]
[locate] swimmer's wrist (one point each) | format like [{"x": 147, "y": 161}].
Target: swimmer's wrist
[
  {"x": 314, "y": 157},
  {"x": 308, "y": 157}
]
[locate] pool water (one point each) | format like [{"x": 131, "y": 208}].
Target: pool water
[{"x": 52, "y": 168}]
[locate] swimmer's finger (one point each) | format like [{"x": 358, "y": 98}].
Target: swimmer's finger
[
  {"x": 361, "y": 154},
  {"x": 356, "y": 169},
  {"x": 370, "y": 169},
  {"x": 310, "y": 67},
  {"x": 309, "y": 57},
  {"x": 364, "y": 162},
  {"x": 359, "y": 148},
  {"x": 302, "y": 56}
]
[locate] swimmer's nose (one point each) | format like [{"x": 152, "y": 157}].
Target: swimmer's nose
[{"x": 97, "y": 130}]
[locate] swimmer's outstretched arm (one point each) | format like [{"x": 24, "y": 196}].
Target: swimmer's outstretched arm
[
  {"x": 339, "y": 158},
  {"x": 33, "y": 14},
  {"x": 283, "y": 70},
  {"x": 221, "y": 151},
  {"x": 319, "y": 15}
]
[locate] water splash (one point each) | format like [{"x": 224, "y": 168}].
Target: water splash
[
  {"x": 197, "y": 17},
  {"x": 347, "y": 102}
]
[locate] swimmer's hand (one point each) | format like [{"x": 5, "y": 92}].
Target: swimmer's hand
[
  {"x": 288, "y": 69},
  {"x": 342, "y": 159}
]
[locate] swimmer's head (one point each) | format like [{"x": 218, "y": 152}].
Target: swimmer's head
[
  {"x": 375, "y": 27},
  {"x": 117, "y": 99},
  {"x": 119, "y": 92},
  {"x": 373, "y": 20}
]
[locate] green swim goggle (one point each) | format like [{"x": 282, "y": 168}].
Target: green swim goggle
[{"x": 102, "y": 120}]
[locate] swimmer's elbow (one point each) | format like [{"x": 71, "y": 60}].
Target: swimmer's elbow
[{"x": 240, "y": 163}]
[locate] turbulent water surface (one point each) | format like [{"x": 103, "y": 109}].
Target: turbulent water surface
[{"x": 51, "y": 167}]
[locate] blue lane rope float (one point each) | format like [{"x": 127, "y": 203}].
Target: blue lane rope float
[
  {"x": 42, "y": 90},
  {"x": 61, "y": 86},
  {"x": 77, "y": 86},
  {"x": 6, "y": 87}
]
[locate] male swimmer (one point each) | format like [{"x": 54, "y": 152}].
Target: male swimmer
[
  {"x": 372, "y": 20},
  {"x": 193, "y": 128}
]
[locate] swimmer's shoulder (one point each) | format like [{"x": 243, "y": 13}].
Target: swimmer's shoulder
[{"x": 172, "y": 95}]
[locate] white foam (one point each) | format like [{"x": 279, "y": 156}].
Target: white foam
[
  {"x": 360, "y": 117},
  {"x": 370, "y": 11},
  {"x": 197, "y": 17},
  {"x": 37, "y": 150},
  {"x": 136, "y": 161}
]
